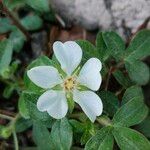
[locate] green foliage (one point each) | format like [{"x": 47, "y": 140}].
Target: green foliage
[
  {"x": 138, "y": 71},
  {"x": 129, "y": 139},
  {"x": 138, "y": 49},
  {"x": 131, "y": 113},
  {"x": 61, "y": 134},
  {"x": 122, "y": 79},
  {"x": 140, "y": 46},
  {"x": 103, "y": 140},
  {"x": 18, "y": 39},
  {"x": 42, "y": 137},
  {"x": 13, "y": 4},
  {"x": 88, "y": 132},
  {"x": 109, "y": 99},
  {"x": 5, "y": 131},
  {"x": 101, "y": 47},
  {"x": 9, "y": 90},
  {"x": 123, "y": 105},
  {"x": 23, "y": 110},
  {"x": 28, "y": 108},
  {"x": 89, "y": 50},
  {"x": 32, "y": 22},
  {"x": 114, "y": 43},
  {"x": 5, "y": 25},
  {"x": 143, "y": 127},
  {"x": 131, "y": 92},
  {"x": 39, "y": 5},
  {"x": 6, "y": 49},
  {"x": 77, "y": 126},
  {"x": 22, "y": 124}
]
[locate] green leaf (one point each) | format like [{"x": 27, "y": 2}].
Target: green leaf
[
  {"x": 13, "y": 4},
  {"x": 131, "y": 113},
  {"x": 131, "y": 92},
  {"x": 144, "y": 127},
  {"x": 101, "y": 47},
  {"x": 138, "y": 71},
  {"x": 9, "y": 89},
  {"x": 14, "y": 66},
  {"x": 32, "y": 22},
  {"x": 140, "y": 46},
  {"x": 78, "y": 130},
  {"x": 77, "y": 126},
  {"x": 5, "y": 131},
  {"x": 18, "y": 39},
  {"x": 39, "y": 5},
  {"x": 114, "y": 44},
  {"x": 29, "y": 107},
  {"x": 103, "y": 140},
  {"x": 5, "y": 25},
  {"x": 42, "y": 137},
  {"x": 88, "y": 132},
  {"x": 23, "y": 110},
  {"x": 110, "y": 102},
  {"x": 89, "y": 50},
  {"x": 122, "y": 79},
  {"x": 22, "y": 124},
  {"x": 128, "y": 139},
  {"x": 61, "y": 134},
  {"x": 48, "y": 123},
  {"x": 6, "y": 49}
]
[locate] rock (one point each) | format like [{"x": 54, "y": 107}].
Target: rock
[
  {"x": 84, "y": 12},
  {"x": 131, "y": 13},
  {"x": 122, "y": 15}
]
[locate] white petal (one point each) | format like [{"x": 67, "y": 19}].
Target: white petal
[
  {"x": 54, "y": 102},
  {"x": 44, "y": 76},
  {"x": 89, "y": 75},
  {"x": 68, "y": 54},
  {"x": 89, "y": 102}
]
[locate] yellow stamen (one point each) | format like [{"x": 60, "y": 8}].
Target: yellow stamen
[{"x": 69, "y": 83}]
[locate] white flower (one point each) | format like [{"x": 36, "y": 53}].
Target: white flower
[{"x": 53, "y": 101}]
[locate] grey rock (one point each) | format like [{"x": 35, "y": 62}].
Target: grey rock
[
  {"x": 130, "y": 12},
  {"x": 121, "y": 15}
]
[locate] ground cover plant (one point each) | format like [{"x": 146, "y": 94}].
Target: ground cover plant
[{"x": 59, "y": 93}]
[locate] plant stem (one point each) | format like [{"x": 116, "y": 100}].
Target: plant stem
[
  {"x": 111, "y": 70},
  {"x": 119, "y": 92},
  {"x": 6, "y": 117},
  {"x": 60, "y": 20},
  {"x": 105, "y": 121},
  {"x": 12, "y": 126},
  {"x": 15, "y": 140},
  {"x": 108, "y": 78},
  {"x": 12, "y": 123},
  {"x": 75, "y": 115},
  {"x": 16, "y": 22}
]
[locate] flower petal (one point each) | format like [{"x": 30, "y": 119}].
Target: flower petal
[
  {"x": 89, "y": 75},
  {"x": 54, "y": 102},
  {"x": 89, "y": 102},
  {"x": 68, "y": 54},
  {"x": 44, "y": 76}
]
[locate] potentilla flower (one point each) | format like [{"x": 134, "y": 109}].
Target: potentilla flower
[{"x": 69, "y": 55}]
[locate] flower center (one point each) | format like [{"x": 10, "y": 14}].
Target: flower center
[{"x": 69, "y": 83}]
